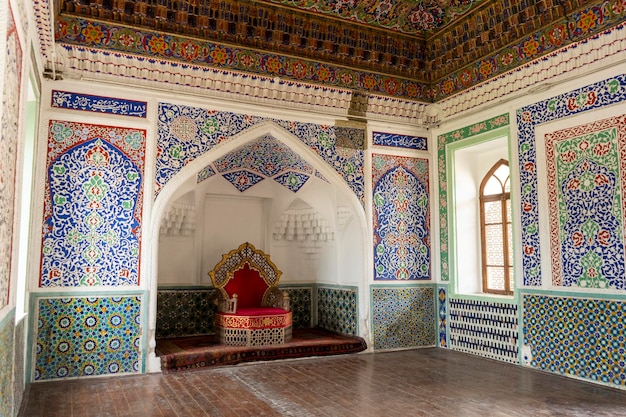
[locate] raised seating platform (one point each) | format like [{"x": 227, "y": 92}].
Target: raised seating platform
[{"x": 196, "y": 352}]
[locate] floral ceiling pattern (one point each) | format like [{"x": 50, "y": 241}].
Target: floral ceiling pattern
[{"x": 407, "y": 16}]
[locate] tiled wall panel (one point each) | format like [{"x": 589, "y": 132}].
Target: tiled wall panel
[
  {"x": 189, "y": 311},
  {"x": 586, "y": 178},
  {"x": 243, "y": 169},
  {"x": 7, "y": 342},
  {"x": 584, "y": 99},
  {"x": 301, "y": 298},
  {"x": 87, "y": 336},
  {"x": 185, "y": 133},
  {"x": 403, "y": 317},
  {"x": 580, "y": 337},
  {"x": 337, "y": 309},
  {"x": 484, "y": 328},
  {"x": 401, "y": 216},
  {"x": 19, "y": 363},
  {"x": 93, "y": 205},
  {"x": 184, "y": 312},
  {"x": 442, "y": 306}
]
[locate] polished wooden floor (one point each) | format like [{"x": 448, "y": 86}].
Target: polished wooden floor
[{"x": 423, "y": 382}]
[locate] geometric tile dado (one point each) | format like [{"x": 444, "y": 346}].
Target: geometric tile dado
[
  {"x": 87, "y": 336},
  {"x": 7, "y": 341},
  {"x": 187, "y": 311},
  {"x": 442, "y": 306},
  {"x": 301, "y": 301},
  {"x": 184, "y": 312},
  {"x": 580, "y": 337},
  {"x": 403, "y": 317},
  {"x": 337, "y": 309},
  {"x": 484, "y": 328}
]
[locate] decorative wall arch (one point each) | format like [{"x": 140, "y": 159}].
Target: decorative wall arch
[
  {"x": 185, "y": 133},
  {"x": 168, "y": 191}
]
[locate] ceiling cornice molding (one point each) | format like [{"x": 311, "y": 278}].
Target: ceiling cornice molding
[
  {"x": 590, "y": 55},
  {"x": 253, "y": 25},
  {"x": 161, "y": 75},
  {"x": 89, "y": 63},
  {"x": 454, "y": 95},
  {"x": 44, "y": 22}
]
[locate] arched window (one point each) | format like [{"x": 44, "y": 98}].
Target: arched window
[{"x": 495, "y": 230}]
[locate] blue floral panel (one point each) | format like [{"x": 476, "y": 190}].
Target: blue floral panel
[
  {"x": 93, "y": 205},
  {"x": 242, "y": 180},
  {"x": 401, "y": 218},
  {"x": 292, "y": 180},
  {"x": 205, "y": 173},
  {"x": 186, "y": 133},
  {"x": 590, "y": 97}
]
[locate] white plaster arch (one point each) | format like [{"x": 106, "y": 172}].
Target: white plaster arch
[{"x": 168, "y": 192}]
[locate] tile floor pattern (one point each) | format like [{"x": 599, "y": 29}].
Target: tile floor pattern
[{"x": 421, "y": 382}]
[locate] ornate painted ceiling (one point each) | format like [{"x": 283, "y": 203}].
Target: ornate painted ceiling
[{"x": 419, "y": 50}]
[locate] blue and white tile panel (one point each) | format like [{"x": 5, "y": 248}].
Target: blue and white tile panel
[{"x": 484, "y": 328}]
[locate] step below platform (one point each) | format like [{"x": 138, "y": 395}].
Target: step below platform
[{"x": 195, "y": 352}]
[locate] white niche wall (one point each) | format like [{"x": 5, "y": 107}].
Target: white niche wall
[
  {"x": 176, "y": 242},
  {"x": 315, "y": 237},
  {"x": 311, "y": 236}
]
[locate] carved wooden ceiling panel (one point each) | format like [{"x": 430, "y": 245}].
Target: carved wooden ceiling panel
[{"x": 424, "y": 50}]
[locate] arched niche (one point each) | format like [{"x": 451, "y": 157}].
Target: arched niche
[{"x": 201, "y": 214}]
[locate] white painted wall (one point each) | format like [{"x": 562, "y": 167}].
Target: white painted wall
[
  {"x": 471, "y": 164},
  {"x": 225, "y": 218}
]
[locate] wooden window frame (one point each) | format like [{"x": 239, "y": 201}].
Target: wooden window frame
[{"x": 505, "y": 198}]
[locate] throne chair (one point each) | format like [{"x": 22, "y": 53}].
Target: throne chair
[{"x": 251, "y": 309}]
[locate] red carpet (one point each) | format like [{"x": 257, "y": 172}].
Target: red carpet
[{"x": 187, "y": 353}]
